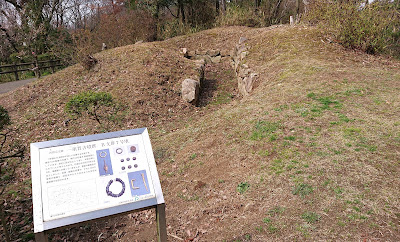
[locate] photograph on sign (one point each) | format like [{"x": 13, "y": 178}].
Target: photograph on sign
[{"x": 83, "y": 177}]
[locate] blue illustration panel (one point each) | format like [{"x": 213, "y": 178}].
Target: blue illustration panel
[
  {"x": 104, "y": 162},
  {"x": 138, "y": 183}
]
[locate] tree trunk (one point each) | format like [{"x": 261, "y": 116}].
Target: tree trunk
[
  {"x": 181, "y": 9},
  {"x": 4, "y": 222},
  {"x": 223, "y": 5},
  {"x": 276, "y": 11},
  {"x": 157, "y": 17}
]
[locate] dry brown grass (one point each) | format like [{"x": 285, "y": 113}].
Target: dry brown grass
[{"x": 336, "y": 114}]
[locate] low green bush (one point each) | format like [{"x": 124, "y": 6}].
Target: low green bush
[
  {"x": 4, "y": 118},
  {"x": 96, "y": 105}
]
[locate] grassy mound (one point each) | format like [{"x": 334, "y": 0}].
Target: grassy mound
[{"x": 312, "y": 153}]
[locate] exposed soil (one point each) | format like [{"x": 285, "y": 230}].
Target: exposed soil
[{"x": 312, "y": 154}]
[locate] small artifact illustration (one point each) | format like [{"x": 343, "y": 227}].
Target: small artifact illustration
[
  {"x": 125, "y": 156},
  {"x": 110, "y": 193},
  {"x": 125, "y": 166},
  {"x": 104, "y": 162},
  {"x": 144, "y": 181},
  {"x": 133, "y": 148},
  {"x": 139, "y": 183},
  {"x": 119, "y": 151}
]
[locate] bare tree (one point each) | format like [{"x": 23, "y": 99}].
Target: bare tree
[{"x": 9, "y": 151}]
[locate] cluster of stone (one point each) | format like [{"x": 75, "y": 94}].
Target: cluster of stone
[
  {"x": 245, "y": 76},
  {"x": 209, "y": 56}
]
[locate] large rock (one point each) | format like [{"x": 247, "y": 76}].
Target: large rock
[
  {"x": 213, "y": 53},
  {"x": 242, "y": 40},
  {"x": 200, "y": 67},
  {"x": 191, "y": 90},
  {"x": 216, "y": 59},
  {"x": 244, "y": 71},
  {"x": 201, "y": 52},
  {"x": 190, "y": 54},
  {"x": 225, "y": 53},
  {"x": 245, "y": 84}
]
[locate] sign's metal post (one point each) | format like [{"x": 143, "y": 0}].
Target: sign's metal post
[
  {"x": 161, "y": 223},
  {"x": 41, "y": 237}
]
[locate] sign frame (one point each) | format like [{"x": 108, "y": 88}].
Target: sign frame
[{"x": 41, "y": 226}]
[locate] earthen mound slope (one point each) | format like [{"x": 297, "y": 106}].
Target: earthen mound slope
[{"x": 311, "y": 154}]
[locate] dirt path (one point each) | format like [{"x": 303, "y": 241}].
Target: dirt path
[{"x": 9, "y": 86}]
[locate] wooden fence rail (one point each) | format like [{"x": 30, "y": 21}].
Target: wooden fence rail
[{"x": 35, "y": 66}]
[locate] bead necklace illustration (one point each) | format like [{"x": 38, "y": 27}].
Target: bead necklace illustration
[
  {"x": 103, "y": 154},
  {"x": 111, "y": 194}
]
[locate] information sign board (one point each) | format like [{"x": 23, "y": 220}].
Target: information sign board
[{"x": 84, "y": 178}]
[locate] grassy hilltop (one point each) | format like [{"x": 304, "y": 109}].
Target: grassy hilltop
[{"x": 312, "y": 154}]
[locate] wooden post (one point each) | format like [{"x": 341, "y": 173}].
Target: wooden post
[
  {"x": 16, "y": 72},
  {"x": 52, "y": 64},
  {"x": 37, "y": 69},
  {"x": 41, "y": 237},
  {"x": 161, "y": 223}
]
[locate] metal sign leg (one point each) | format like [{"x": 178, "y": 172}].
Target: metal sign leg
[
  {"x": 41, "y": 237},
  {"x": 161, "y": 223}
]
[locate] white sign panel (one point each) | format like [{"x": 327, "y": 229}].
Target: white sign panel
[{"x": 83, "y": 178}]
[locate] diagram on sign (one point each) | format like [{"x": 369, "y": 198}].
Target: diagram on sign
[
  {"x": 104, "y": 162},
  {"x": 138, "y": 183},
  {"x": 123, "y": 170}
]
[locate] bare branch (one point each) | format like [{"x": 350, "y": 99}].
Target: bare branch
[
  {"x": 10, "y": 40},
  {"x": 171, "y": 12}
]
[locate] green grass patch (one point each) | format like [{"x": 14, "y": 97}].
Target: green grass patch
[
  {"x": 310, "y": 217},
  {"x": 291, "y": 138},
  {"x": 242, "y": 187},
  {"x": 322, "y": 104},
  {"x": 302, "y": 189},
  {"x": 188, "y": 198},
  {"x": 272, "y": 228},
  {"x": 276, "y": 211},
  {"x": 263, "y": 129},
  {"x": 351, "y": 132},
  {"x": 267, "y": 220},
  {"x": 222, "y": 98},
  {"x": 277, "y": 166}
]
